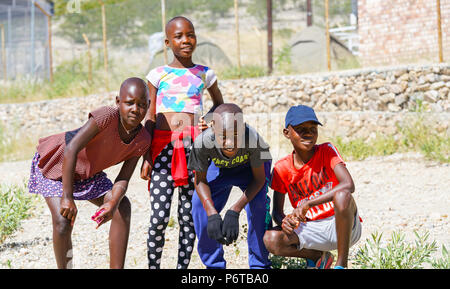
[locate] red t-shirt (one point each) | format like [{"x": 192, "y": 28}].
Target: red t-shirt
[{"x": 315, "y": 178}]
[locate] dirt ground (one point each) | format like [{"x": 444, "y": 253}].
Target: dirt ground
[{"x": 402, "y": 192}]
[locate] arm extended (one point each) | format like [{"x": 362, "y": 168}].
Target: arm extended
[
  {"x": 78, "y": 142},
  {"x": 345, "y": 184},
  {"x": 118, "y": 190},
  {"x": 150, "y": 123}
]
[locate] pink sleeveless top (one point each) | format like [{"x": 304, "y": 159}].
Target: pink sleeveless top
[{"x": 106, "y": 149}]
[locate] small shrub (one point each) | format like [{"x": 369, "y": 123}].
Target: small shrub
[
  {"x": 414, "y": 136},
  {"x": 280, "y": 262},
  {"x": 283, "y": 59},
  {"x": 443, "y": 262},
  {"x": 15, "y": 147},
  {"x": 397, "y": 254},
  {"x": 15, "y": 203},
  {"x": 246, "y": 71}
]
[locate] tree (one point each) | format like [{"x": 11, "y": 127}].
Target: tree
[{"x": 129, "y": 22}]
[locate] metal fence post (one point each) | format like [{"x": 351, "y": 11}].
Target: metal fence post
[
  {"x": 9, "y": 44},
  {"x": 32, "y": 52},
  {"x": 163, "y": 22},
  {"x": 2, "y": 28},
  {"x": 327, "y": 35},
  {"x": 438, "y": 9},
  {"x": 269, "y": 36},
  {"x": 238, "y": 47},
  {"x": 105, "y": 45}
]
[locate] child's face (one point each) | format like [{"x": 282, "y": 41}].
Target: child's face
[
  {"x": 303, "y": 136},
  {"x": 228, "y": 133},
  {"x": 181, "y": 38},
  {"x": 132, "y": 108}
]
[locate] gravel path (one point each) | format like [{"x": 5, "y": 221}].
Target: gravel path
[{"x": 402, "y": 192}]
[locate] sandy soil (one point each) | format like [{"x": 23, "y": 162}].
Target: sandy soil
[{"x": 402, "y": 192}]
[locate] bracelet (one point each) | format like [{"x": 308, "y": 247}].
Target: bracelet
[{"x": 205, "y": 202}]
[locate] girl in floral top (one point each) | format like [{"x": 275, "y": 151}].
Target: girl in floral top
[{"x": 176, "y": 102}]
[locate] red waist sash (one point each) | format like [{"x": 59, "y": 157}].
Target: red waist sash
[{"x": 179, "y": 166}]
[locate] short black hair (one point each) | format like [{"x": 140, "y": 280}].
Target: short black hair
[
  {"x": 137, "y": 82},
  {"x": 228, "y": 108},
  {"x": 175, "y": 19}
]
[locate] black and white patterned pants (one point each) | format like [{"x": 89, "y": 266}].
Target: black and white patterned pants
[{"x": 161, "y": 192}]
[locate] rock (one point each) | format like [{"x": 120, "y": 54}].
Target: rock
[
  {"x": 400, "y": 99},
  {"x": 283, "y": 100},
  {"x": 376, "y": 84},
  {"x": 436, "y": 107},
  {"x": 423, "y": 87},
  {"x": 340, "y": 89},
  {"x": 431, "y": 77},
  {"x": 403, "y": 77},
  {"x": 272, "y": 102},
  {"x": 373, "y": 94},
  {"x": 248, "y": 101},
  {"x": 431, "y": 96},
  {"x": 382, "y": 90},
  {"x": 23, "y": 252},
  {"x": 393, "y": 107},
  {"x": 396, "y": 88},
  {"x": 388, "y": 97},
  {"x": 437, "y": 85}
]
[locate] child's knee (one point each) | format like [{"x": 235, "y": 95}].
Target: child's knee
[
  {"x": 271, "y": 240},
  {"x": 62, "y": 226},
  {"x": 343, "y": 202},
  {"x": 125, "y": 208}
]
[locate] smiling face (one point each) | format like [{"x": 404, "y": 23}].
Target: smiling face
[
  {"x": 133, "y": 102},
  {"x": 303, "y": 136},
  {"x": 229, "y": 131},
  {"x": 180, "y": 37}
]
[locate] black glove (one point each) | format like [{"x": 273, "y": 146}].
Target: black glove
[
  {"x": 230, "y": 228},
  {"x": 214, "y": 228}
]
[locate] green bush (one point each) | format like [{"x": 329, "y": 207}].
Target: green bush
[
  {"x": 15, "y": 203},
  {"x": 280, "y": 262},
  {"x": 443, "y": 262},
  {"x": 359, "y": 149},
  {"x": 15, "y": 147},
  {"x": 418, "y": 136},
  {"x": 70, "y": 80},
  {"x": 397, "y": 254},
  {"x": 415, "y": 136},
  {"x": 283, "y": 59},
  {"x": 246, "y": 71}
]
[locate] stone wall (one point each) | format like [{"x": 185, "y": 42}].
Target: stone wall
[
  {"x": 394, "y": 32},
  {"x": 359, "y": 103},
  {"x": 392, "y": 89}
]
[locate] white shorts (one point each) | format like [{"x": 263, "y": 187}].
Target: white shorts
[{"x": 321, "y": 234}]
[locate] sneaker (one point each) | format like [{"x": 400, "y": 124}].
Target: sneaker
[
  {"x": 310, "y": 264},
  {"x": 325, "y": 261}
]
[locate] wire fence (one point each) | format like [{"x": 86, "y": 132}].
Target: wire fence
[
  {"x": 24, "y": 37},
  {"x": 131, "y": 24},
  {"x": 93, "y": 40}
]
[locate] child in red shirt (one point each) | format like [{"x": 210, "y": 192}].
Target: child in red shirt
[{"x": 319, "y": 186}]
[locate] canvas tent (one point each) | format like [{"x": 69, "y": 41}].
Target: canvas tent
[
  {"x": 309, "y": 51},
  {"x": 206, "y": 53}
]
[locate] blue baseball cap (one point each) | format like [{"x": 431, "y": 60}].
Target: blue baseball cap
[{"x": 299, "y": 114}]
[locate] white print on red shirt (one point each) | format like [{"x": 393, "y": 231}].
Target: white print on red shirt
[{"x": 319, "y": 209}]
